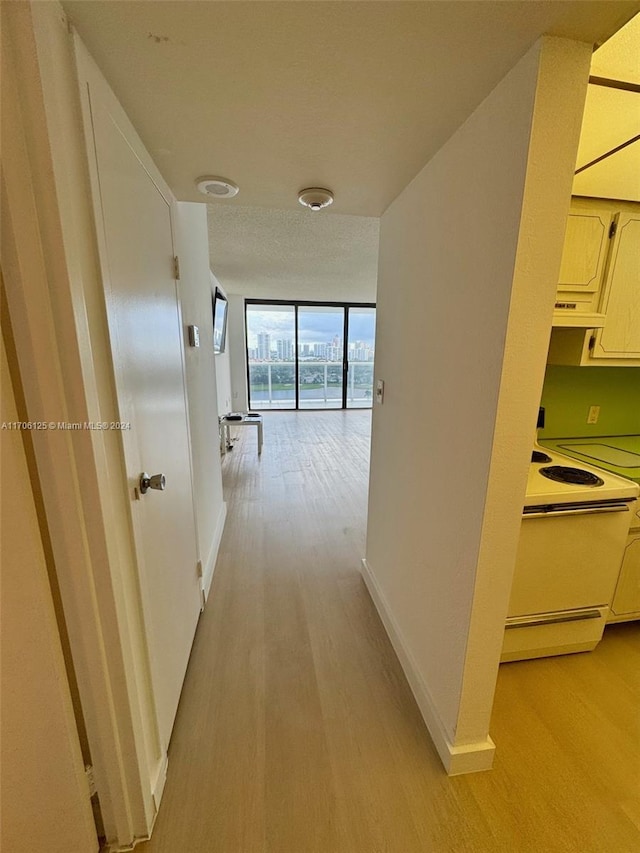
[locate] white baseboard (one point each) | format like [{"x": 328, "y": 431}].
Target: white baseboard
[
  {"x": 213, "y": 552},
  {"x": 467, "y": 758}
]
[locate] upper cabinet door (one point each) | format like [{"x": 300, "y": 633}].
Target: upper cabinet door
[
  {"x": 585, "y": 250},
  {"x": 620, "y": 336}
]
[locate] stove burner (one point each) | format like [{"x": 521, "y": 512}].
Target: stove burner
[
  {"x": 539, "y": 456},
  {"x": 574, "y": 476}
]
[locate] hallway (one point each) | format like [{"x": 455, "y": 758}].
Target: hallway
[{"x": 297, "y": 732}]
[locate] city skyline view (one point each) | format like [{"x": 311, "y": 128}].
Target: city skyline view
[
  {"x": 320, "y": 323},
  {"x": 322, "y": 370},
  {"x": 282, "y": 349}
]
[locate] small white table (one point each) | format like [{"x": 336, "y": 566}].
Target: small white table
[{"x": 247, "y": 420}]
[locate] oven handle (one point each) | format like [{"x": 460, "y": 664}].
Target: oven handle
[
  {"x": 551, "y": 619},
  {"x": 582, "y": 511}
]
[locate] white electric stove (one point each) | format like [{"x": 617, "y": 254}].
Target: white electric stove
[
  {"x": 574, "y": 527},
  {"x": 589, "y": 483}
]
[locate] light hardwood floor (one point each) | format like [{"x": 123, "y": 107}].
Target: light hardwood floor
[{"x": 297, "y": 732}]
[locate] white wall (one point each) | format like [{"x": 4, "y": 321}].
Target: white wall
[
  {"x": 476, "y": 234},
  {"x": 45, "y": 800},
  {"x": 201, "y": 376},
  {"x": 223, "y": 362},
  {"x": 237, "y": 347}
]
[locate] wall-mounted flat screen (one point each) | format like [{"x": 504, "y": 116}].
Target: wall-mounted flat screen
[{"x": 219, "y": 321}]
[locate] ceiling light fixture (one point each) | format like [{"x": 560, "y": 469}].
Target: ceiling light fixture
[
  {"x": 217, "y": 187},
  {"x": 315, "y": 198}
]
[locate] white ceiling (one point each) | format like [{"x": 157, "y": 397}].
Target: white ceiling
[
  {"x": 262, "y": 252},
  {"x": 611, "y": 118},
  {"x": 276, "y": 96}
]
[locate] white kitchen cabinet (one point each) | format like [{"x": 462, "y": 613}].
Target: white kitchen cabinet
[
  {"x": 586, "y": 246},
  {"x": 620, "y": 335},
  {"x": 617, "y": 342},
  {"x": 626, "y": 601}
]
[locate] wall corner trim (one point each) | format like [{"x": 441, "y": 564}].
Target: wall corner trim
[
  {"x": 457, "y": 759},
  {"x": 158, "y": 786},
  {"x": 213, "y": 553}
]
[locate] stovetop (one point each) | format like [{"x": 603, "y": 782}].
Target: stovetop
[
  {"x": 543, "y": 490},
  {"x": 618, "y": 454},
  {"x": 571, "y": 476}
]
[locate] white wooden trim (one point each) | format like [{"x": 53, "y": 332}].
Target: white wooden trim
[
  {"x": 157, "y": 790},
  {"x": 174, "y": 218},
  {"x": 158, "y": 786},
  {"x": 70, "y": 472},
  {"x": 457, "y": 759},
  {"x": 213, "y": 553}
]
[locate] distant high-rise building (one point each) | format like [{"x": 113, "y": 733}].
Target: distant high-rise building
[
  {"x": 284, "y": 350},
  {"x": 264, "y": 346},
  {"x": 360, "y": 351}
]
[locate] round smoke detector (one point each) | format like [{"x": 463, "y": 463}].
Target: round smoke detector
[
  {"x": 217, "y": 187},
  {"x": 315, "y": 198}
]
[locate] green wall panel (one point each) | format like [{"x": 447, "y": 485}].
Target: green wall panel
[{"x": 569, "y": 392}]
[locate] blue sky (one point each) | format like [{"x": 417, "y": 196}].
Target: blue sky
[{"x": 316, "y": 326}]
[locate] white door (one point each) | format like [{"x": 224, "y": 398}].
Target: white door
[{"x": 145, "y": 330}]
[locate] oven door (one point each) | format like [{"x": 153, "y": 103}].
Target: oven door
[{"x": 569, "y": 556}]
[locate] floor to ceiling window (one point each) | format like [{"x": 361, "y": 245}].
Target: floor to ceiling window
[
  {"x": 297, "y": 358},
  {"x": 361, "y": 333},
  {"x": 271, "y": 347},
  {"x": 320, "y": 356}
]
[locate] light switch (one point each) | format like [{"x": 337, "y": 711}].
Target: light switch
[{"x": 194, "y": 336}]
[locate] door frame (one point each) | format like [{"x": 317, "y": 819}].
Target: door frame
[
  {"x": 304, "y": 303},
  {"x": 51, "y": 275}
]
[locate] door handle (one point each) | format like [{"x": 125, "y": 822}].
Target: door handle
[{"x": 156, "y": 481}]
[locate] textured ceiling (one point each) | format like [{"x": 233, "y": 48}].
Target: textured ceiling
[
  {"x": 279, "y": 253},
  {"x": 276, "y": 96}
]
